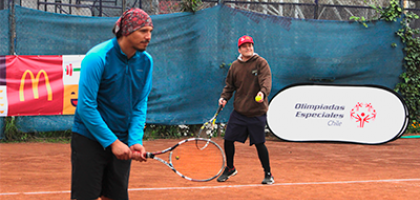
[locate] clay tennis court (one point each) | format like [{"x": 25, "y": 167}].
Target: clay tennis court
[{"x": 301, "y": 170}]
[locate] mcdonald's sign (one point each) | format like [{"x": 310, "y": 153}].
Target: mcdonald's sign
[{"x": 35, "y": 83}]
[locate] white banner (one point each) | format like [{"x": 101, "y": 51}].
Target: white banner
[
  {"x": 71, "y": 69},
  {"x": 341, "y": 113},
  {"x": 71, "y": 74}
]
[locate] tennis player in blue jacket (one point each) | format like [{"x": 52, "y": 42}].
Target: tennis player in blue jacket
[{"x": 115, "y": 82}]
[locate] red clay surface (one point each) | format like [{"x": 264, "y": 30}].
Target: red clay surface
[{"x": 301, "y": 170}]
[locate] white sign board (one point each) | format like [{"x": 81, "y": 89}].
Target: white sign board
[{"x": 342, "y": 113}]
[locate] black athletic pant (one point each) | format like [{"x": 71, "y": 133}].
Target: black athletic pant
[{"x": 262, "y": 154}]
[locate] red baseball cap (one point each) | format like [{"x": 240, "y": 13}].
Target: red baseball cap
[{"x": 245, "y": 39}]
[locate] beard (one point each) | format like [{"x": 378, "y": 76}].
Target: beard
[
  {"x": 142, "y": 46},
  {"x": 141, "y": 49}
]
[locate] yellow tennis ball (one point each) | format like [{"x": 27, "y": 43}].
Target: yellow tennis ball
[
  {"x": 177, "y": 157},
  {"x": 258, "y": 98}
]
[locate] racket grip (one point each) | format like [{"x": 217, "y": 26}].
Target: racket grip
[
  {"x": 149, "y": 155},
  {"x": 135, "y": 154},
  {"x": 220, "y": 108}
]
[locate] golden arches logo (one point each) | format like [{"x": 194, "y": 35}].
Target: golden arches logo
[{"x": 35, "y": 82}]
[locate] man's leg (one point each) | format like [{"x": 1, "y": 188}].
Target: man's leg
[
  {"x": 230, "y": 168},
  {"x": 230, "y": 153},
  {"x": 265, "y": 162},
  {"x": 88, "y": 160},
  {"x": 263, "y": 156}
]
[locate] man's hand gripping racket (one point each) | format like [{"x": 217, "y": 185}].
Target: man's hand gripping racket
[{"x": 192, "y": 163}]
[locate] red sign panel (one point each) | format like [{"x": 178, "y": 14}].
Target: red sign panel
[{"x": 34, "y": 85}]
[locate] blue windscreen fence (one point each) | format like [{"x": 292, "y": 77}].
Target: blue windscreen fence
[
  {"x": 4, "y": 32},
  {"x": 192, "y": 53}
]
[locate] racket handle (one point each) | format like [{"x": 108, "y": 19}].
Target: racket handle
[
  {"x": 219, "y": 109},
  {"x": 149, "y": 155},
  {"x": 146, "y": 155}
]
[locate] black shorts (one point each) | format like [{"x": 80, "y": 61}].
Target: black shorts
[
  {"x": 96, "y": 171},
  {"x": 240, "y": 126}
]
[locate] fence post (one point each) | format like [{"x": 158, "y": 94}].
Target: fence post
[
  {"x": 124, "y": 6},
  {"x": 2, "y": 127},
  {"x": 12, "y": 24},
  {"x": 316, "y": 10},
  {"x": 100, "y": 8}
]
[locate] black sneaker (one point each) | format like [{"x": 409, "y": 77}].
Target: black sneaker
[
  {"x": 268, "y": 179},
  {"x": 227, "y": 174}
]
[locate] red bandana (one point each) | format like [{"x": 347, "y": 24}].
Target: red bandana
[{"x": 132, "y": 20}]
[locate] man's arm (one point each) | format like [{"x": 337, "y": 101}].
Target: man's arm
[
  {"x": 264, "y": 78},
  {"x": 90, "y": 79},
  {"x": 229, "y": 88},
  {"x": 138, "y": 120}
]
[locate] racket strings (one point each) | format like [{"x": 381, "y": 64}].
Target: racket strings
[
  {"x": 207, "y": 131},
  {"x": 210, "y": 129},
  {"x": 198, "y": 164}
]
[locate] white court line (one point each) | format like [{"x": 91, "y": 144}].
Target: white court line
[{"x": 228, "y": 186}]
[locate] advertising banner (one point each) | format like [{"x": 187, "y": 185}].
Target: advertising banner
[
  {"x": 365, "y": 114},
  {"x": 39, "y": 85},
  {"x": 71, "y": 75},
  {"x": 34, "y": 85},
  {"x": 3, "y": 91}
]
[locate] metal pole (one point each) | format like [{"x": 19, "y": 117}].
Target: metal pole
[
  {"x": 1, "y": 4},
  {"x": 124, "y": 5},
  {"x": 12, "y": 24},
  {"x": 316, "y": 10},
  {"x": 100, "y": 8}
]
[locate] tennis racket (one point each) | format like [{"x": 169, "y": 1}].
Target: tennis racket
[
  {"x": 192, "y": 163},
  {"x": 208, "y": 128}
]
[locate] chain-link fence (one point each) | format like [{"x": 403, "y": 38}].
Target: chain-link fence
[
  {"x": 304, "y": 9},
  {"x": 413, "y": 6},
  {"x": 340, "y": 10},
  {"x": 105, "y": 8}
]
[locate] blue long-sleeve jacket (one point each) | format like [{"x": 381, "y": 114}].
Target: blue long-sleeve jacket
[{"x": 113, "y": 92}]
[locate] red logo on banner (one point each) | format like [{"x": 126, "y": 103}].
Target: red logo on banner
[
  {"x": 34, "y": 85},
  {"x": 69, "y": 70},
  {"x": 363, "y": 113}
]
